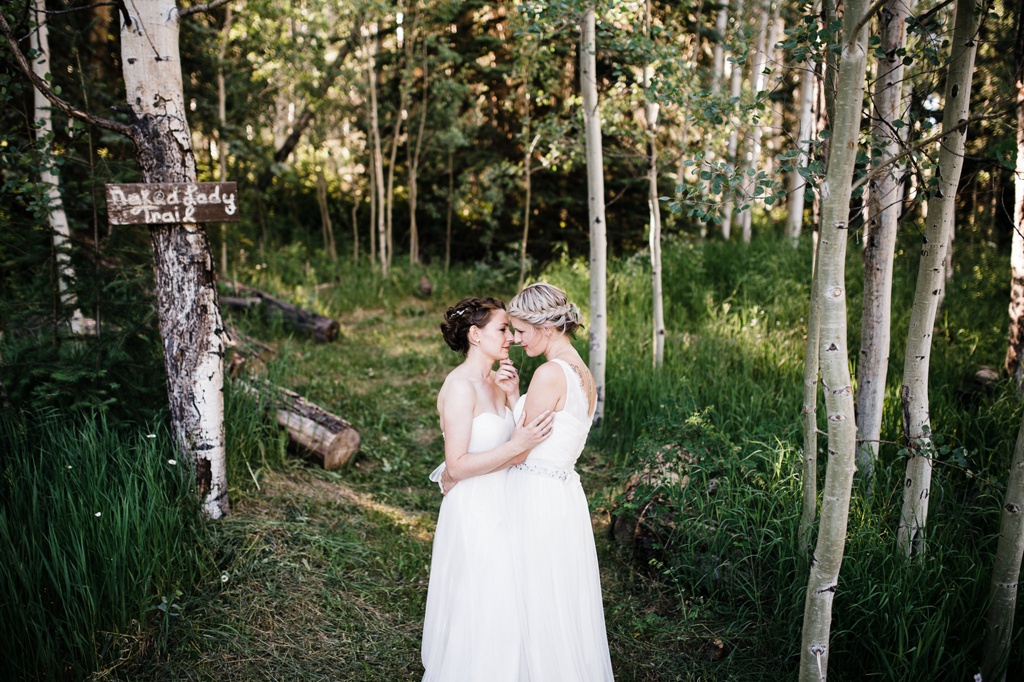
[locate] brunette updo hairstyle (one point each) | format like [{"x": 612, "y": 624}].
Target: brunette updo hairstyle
[
  {"x": 468, "y": 312},
  {"x": 544, "y": 305}
]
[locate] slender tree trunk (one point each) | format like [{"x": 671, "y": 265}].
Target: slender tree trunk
[
  {"x": 797, "y": 184},
  {"x": 58, "y": 219},
  {"x": 355, "y": 229},
  {"x": 1015, "y": 349},
  {"x": 448, "y": 214},
  {"x": 753, "y": 143},
  {"x": 1006, "y": 571},
  {"x": 378, "y": 164},
  {"x": 190, "y": 321},
  {"x": 222, "y": 142},
  {"x": 414, "y": 165},
  {"x": 595, "y": 195},
  {"x": 372, "y": 189},
  {"x": 930, "y": 279},
  {"x": 654, "y": 208},
  {"x": 735, "y": 90},
  {"x": 880, "y": 241},
  {"x": 325, "y": 215},
  {"x": 527, "y": 174},
  {"x": 827, "y": 558},
  {"x": 810, "y": 415}
]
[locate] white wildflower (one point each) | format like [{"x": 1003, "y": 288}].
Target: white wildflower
[
  {"x": 224, "y": 577},
  {"x": 150, "y": 435},
  {"x": 99, "y": 514},
  {"x": 172, "y": 462}
]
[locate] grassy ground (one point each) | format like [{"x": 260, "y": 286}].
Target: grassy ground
[{"x": 322, "y": 575}]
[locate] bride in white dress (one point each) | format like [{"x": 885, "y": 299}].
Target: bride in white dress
[
  {"x": 471, "y": 630},
  {"x": 557, "y": 582}
]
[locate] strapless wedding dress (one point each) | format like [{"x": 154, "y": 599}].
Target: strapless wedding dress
[
  {"x": 471, "y": 629},
  {"x": 557, "y": 581}
]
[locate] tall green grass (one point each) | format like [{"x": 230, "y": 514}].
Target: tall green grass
[{"x": 101, "y": 532}]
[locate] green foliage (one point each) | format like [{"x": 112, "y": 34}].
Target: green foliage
[{"x": 102, "y": 531}]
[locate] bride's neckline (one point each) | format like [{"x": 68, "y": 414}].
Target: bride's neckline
[{"x": 493, "y": 414}]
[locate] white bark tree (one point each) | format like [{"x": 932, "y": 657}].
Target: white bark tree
[
  {"x": 414, "y": 151},
  {"x": 595, "y": 200},
  {"x": 190, "y": 324},
  {"x": 823, "y": 581},
  {"x": 1006, "y": 571},
  {"x": 880, "y": 239},
  {"x": 797, "y": 183},
  {"x": 654, "y": 207},
  {"x": 735, "y": 90},
  {"x": 378, "y": 160},
  {"x": 1015, "y": 349},
  {"x": 58, "y": 219},
  {"x": 931, "y": 279},
  {"x": 752, "y": 144}
]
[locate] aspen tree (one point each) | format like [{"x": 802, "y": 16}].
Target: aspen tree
[
  {"x": 797, "y": 183},
  {"x": 1005, "y": 582},
  {"x": 57, "y": 217},
  {"x": 595, "y": 200},
  {"x": 414, "y": 152},
  {"x": 823, "y": 581},
  {"x": 378, "y": 160},
  {"x": 880, "y": 238},
  {"x": 1015, "y": 349},
  {"x": 752, "y": 143},
  {"x": 931, "y": 279},
  {"x": 654, "y": 233},
  {"x": 735, "y": 90}
]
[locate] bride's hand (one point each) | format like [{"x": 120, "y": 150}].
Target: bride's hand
[
  {"x": 528, "y": 436},
  {"x": 507, "y": 378},
  {"x": 447, "y": 482}
]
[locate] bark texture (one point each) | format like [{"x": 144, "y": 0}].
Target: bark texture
[
  {"x": 823, "y": 581},
  {"x": 880, "y": 240},
  {"x": 797, "y": 183},
  {"x": 930, "y": 281},
  {"x": 190, "y": 322},
  {"x": 595, "y": 196},
  {"x": 809, "y": 512},
  {"x": 1006, "y": 571}
]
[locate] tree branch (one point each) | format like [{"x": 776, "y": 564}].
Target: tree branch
[
  {"x": 205, "y": 7},
  {"x": 44, "y": 88},
  {"x": 920, "y": 144},
  {"x": 875, "y": 6}
]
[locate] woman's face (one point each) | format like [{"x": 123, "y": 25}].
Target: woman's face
[
  {"x": 531, "y": 338},
  {"x": 495, "y": 337}
]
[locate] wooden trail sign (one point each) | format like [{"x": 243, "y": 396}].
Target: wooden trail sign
[{"x": 165, "y": 202}]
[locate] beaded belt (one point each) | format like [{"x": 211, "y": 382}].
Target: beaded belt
[{"x": 550, "y": 472}]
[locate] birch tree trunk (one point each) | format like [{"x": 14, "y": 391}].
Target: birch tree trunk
[
  {"x": 378, "y": 162},
  {"x": 595, "y": 199},
  {"x": 880, "y": 240},
  {"x": 1006, "y": 571},
  {"x": 753, "y": 143},
  {"x": 58, "y": 219},
  {"x": 735, "y": 90},
  {"x": 809, "y": 512},
  {"x": 1015, "y": 350},
  {"x": 414, "y": 165},
  {"x": 930, "y": 280},
  {"x": 654, "y": 208},
  {"x": 823, "y": 582},
  {"x": 222, "y": 119},
  {"x": 448, "y": 213},
  {"x": 190, "y": 321},
  {"x": 797, "y": 183}
]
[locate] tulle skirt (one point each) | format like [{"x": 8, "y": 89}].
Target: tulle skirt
[
  {"x": 471, "y": 630},
  {"x": 556, "y": 577}
]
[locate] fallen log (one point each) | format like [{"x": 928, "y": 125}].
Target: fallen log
[
  {"x": 322, "y": 329},
  {"x": 327, "y": 437}
]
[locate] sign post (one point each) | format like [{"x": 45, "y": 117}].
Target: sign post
[{"x": 168, "y": 203}]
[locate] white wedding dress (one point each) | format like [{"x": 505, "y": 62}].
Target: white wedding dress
[
  {"x": 557, "y": 582},
  {"x": 471, "y": 628}
]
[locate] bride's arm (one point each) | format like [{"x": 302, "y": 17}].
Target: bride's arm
[{"x": 456, "y": 408}]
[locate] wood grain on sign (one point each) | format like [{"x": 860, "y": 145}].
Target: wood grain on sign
[{"x": 164, "y": 203}]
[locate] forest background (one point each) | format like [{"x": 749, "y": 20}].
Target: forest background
[{"x": 394, "y": 157}]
